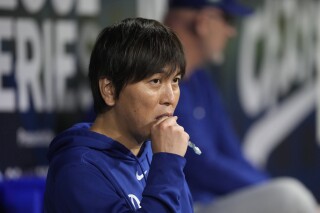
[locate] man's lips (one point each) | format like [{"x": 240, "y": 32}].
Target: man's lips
[{"x": 164, "y": 115}]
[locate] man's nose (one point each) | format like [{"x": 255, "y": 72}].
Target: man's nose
[{"x": 168, "y": 95}]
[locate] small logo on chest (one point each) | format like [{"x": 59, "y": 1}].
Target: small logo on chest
[{"x": 140, "y": 176}]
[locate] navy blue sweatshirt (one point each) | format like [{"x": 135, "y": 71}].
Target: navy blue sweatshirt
[{"x": 90, "y": 172}]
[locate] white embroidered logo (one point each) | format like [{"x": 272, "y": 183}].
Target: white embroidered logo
[
  {"x": 135, "y": 201},
  {"x": 139, "y": 177}
]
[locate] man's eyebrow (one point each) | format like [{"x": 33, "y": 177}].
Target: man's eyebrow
[{"x": 167, "y": 72}]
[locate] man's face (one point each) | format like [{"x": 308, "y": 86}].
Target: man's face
[
  {"x": 215, "y": 33},
  {"x": 143, "y": 103}
]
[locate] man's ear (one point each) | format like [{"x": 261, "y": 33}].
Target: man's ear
[{"x": 107, "y": 91}]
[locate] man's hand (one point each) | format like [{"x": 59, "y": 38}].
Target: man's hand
[{"x": 168, "y": 136}]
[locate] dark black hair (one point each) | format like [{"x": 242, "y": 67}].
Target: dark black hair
[{"x": 130, "y": 51}]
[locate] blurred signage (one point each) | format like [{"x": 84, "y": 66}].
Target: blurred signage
[
  {"x": 278, "y": 88},
  {"x": 44, "y": 53},
  {"x": 277, "y": 72}
]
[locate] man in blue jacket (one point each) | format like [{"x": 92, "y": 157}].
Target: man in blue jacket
[
  {"x": 221, "y": 179},
  {"x": 110, "y": 165}
]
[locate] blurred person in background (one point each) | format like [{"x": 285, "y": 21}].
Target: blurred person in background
[
  {"x": 111, "y": 165},
  {"x": 221, "y": 179}
]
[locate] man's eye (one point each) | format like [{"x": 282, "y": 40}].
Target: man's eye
[
  {"x": 155, "y": 81},
  {"x": 176, "y": 80}
]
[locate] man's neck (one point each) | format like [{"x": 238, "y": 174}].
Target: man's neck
[{"x": 107, "y": 125}]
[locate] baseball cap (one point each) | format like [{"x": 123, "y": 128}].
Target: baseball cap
[{"x": 231, "y": 7}]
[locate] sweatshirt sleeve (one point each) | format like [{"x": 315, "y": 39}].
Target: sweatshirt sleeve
[
  {"x": 166, "y": 189},
  {"x": 219, "y": 174}
]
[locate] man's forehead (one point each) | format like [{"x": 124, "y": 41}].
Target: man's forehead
[{"x": 170, "y": 71}]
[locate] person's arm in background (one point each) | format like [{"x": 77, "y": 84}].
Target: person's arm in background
[{"x": 222, "y": 167}]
